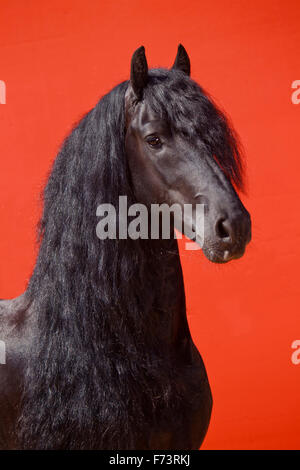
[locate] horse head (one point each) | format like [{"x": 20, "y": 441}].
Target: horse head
[{"x": 181, "y": 150}]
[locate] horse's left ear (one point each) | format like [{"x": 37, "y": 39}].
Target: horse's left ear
[
  {"x": 182, "y": 61},
  {"x": 139, "y": 72}
]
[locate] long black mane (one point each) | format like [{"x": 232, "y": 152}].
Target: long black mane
[{"x": 97, "y": 349}]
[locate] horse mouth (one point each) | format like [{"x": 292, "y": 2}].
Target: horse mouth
[{"x": 222, "y": 256}]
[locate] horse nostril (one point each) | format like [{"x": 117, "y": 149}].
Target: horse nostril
[{"x": 221, "y": 229}]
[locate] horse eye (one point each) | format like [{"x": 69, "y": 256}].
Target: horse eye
[{"x": 154, "y": 141}]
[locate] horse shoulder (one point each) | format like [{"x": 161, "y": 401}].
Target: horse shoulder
[
  {"x": 14, "y": 315},
  {"x": 14, "y": 339}
]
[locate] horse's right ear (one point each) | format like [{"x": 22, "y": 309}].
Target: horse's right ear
[
  {"x": 139, "y": 72},
  {"x": 182, "y": 61}
]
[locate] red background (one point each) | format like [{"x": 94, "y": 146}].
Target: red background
[{"x": 58, "y": 58}]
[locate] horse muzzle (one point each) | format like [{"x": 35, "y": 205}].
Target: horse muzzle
[{"x": 227, "y": 237}]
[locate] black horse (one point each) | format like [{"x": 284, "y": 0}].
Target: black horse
[{"x": 98, "y": 349}]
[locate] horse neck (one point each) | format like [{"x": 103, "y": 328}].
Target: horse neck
[
  {"x": 167, "y": 290},
  {"x": 149, "y": 301}
]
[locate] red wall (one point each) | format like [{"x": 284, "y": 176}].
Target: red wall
[{"x": 58, "y": 58}]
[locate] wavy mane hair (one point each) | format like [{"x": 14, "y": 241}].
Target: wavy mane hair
[{"x": 96, "y": 348}]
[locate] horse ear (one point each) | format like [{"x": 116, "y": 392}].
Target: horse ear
[
  {"x": 182, "y": 61},
  {"x": 139, "y": 72}
]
